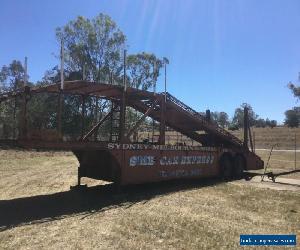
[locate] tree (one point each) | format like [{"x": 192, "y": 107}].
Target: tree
[
  {"x": 238, "y": 118},
  {"x": 260, "y": 123},
  {"x": 295, "y": 89},
  {"x": 94, "y": 51},
  {"x": 143, "y": 70},
  {"x": 12, "y": 76},
  {"x": 93, "y": 47},
  {"x": 292, "y": 117},
  {"x": 221, "y": 118},
  {"x": 271, "y": 123}
]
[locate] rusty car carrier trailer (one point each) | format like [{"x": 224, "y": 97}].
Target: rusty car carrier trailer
[{"x": 124, "y": 160}]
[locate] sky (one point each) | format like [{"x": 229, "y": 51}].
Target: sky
[{"x": 222, "y": 53}]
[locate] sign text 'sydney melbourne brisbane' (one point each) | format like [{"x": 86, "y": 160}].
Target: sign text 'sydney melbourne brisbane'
[{"x": 157, "y": 147}]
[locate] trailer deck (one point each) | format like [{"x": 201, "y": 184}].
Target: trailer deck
[{"x": 122, "y": 158}]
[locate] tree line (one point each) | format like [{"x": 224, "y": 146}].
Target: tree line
[
  {"x": 237, "y": 121},
  {"x": 93, "y": 51}
]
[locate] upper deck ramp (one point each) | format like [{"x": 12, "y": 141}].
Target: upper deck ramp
[{"x": 176, "y": 114}]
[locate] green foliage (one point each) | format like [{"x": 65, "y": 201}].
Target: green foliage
[
  {"x": 94, "y": 51},
  {"x": 11, "y": 79},
  {"x": 143, "y": 70},
  {"x": 9, "y": 110},
  {"x": 260, "y": 123},
  {"x": 221, "y": 118},
  {"x": 12, "y": 76},
  {"x": 271, "y": 123},
  {"x": 238, "y": 118},
  {"x": 93, "y": 47},
  {"x": 233, "y": 127},
  {"x": 292, "y": 117},
  {"x": 295, "y": 89},
  {"x": 41, "y": 111}
]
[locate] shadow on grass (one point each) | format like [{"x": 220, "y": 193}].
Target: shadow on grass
[{"x": 49, "y": 207}]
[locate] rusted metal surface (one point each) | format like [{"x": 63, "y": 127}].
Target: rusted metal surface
[{"x": 124, "y": 161}]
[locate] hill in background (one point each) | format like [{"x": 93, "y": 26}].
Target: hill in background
[{"x": 283, "y": 137}]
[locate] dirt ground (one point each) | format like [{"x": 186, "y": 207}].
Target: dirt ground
[{"x": 38, "y": 210}]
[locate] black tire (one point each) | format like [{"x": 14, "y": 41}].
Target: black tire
[
  {"x": 226, "y": 167},
  {"x": 239, "y": 167}
]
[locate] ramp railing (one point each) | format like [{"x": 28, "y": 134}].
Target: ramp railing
[{"x": 211, "y": 127}]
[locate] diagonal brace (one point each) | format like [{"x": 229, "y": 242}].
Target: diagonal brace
[
  {"x": 138, "y": 123},
  {"x": 98, "y": 125}
]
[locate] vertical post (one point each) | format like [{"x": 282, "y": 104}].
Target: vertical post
[
  {"x": 295, "y": 151},
  {"x": 111, "y": 121},
  {"x": 14, "y": 115},
  {"x": 153, "y": 122},
  {"x": 154, "y": 91},
  {"x": 23, "y": 123},
  {"x": 254, "y": 141},
  {"x": 165, "y": 81},
  {"x": 111, "y": 77},
  {"x": 155, "y": 78},
  {"x": 62, "y": 61},
  {"x": 250, "y": 139},
  {"x": 246, "y": 125},
  {"x": 78, "y": 176},
  {"x": 26, "y": 93},
  {"x": 124, "y": 70},
  {"x": 83, "y": 72},
  {"x": 122, "y": 116},
  {"x": 123, "y": 102},
  {"x": 96, "y": 118},
  {"x": 162, "y": 125},
  {"x": 60, "y": 95},
  {"x": 82, "y": 116}
]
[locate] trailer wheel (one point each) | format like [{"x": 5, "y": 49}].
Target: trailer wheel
[
  {"x": 239, "y": 167},
  {"x": 226, "y": 167}
]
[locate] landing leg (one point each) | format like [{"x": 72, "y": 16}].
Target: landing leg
[
  {"x": 78, "y": 186},
  {"x": 78, "y": 176}
]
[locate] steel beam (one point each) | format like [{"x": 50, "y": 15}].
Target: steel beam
[
  {"x": 162, "y": 126},
  {"x": 138, "y": 123},
  {"x": 98, "y": 125}
]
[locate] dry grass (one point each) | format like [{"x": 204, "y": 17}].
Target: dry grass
[
  {"x": 282, "y": 137},
  {"x": 37, "y": 210},
  {"x": 281, "y": 162}
]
